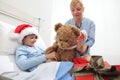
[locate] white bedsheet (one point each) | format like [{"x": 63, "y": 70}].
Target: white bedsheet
[{"x": 45, "y": 71}]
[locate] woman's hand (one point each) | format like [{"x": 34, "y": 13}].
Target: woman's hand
[{"x": 82, "y": 47}]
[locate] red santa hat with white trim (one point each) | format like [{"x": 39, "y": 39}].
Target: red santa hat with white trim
[{"x": 23, "y": 30}]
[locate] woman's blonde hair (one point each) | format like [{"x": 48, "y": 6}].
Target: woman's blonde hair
[{"x": 74, "y": 2}]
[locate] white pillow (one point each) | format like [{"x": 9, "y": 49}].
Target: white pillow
[
  {"x": 41, "y": 43},
  {"x": 7, "y": 46}
]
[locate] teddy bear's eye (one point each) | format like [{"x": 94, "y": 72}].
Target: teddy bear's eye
[{"x": 60, "y": 39}]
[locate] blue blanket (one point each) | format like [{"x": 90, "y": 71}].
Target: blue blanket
[{"x": 63, "y": 71}]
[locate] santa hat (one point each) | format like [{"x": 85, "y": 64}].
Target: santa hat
[{"x": 23, "y": 30}]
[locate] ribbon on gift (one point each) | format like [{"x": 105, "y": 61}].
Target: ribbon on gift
[{"x": 97, "y": 67}]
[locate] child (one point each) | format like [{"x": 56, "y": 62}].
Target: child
[{"x": 28, "y": 55}]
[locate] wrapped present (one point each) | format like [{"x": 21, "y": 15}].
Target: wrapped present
[{"x": 95, "y": 69}]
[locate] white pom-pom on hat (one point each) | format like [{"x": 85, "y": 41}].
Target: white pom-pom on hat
[
  {"x": 14, "y": 36},
  {"x": 23, "y": 30}
]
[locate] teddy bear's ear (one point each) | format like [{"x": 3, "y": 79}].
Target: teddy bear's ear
[
  {"x": 57, "y": 26},
  {"x": 76, "y": 31}
]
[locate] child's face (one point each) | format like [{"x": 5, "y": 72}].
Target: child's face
[{"x": 30, "y": 40}]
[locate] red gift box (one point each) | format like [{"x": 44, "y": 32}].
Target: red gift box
[
  {"x": 85, "y": 77},
  {"x": 80, "y": 63},
  {"x": 90, "y": 76}
]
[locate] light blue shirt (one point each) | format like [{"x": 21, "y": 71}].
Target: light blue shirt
[
  {"x": 28, "y": 58},
  {"x": 89, "y": 26}
]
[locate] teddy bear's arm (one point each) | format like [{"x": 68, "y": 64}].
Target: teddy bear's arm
[
  {"x": 52, "y": 48},
  {"x": 49, "y": 50}
]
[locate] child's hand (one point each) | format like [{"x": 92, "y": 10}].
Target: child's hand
[{"x": 51, "y": 56}]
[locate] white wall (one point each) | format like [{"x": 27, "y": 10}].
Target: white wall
[
  {"x": 60, "y": 13},
  {"x": 105, "y": 14}
]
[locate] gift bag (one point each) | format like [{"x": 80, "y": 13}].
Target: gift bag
[{"x": 95, "y": 69}]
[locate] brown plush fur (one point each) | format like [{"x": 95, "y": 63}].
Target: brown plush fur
[{"x": 66, "y": 37}]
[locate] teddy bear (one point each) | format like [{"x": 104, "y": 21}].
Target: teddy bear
[{"x": 67, "y": 42}]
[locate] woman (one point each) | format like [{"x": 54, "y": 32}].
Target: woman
[{"x": 82, "y": 23}]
